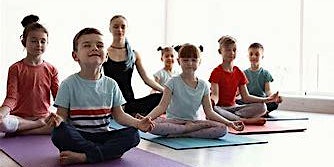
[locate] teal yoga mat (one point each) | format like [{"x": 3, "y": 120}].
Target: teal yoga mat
[{"x": 181, "y": 143}]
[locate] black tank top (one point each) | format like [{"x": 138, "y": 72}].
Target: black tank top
[{"x": 117, "y": 71}]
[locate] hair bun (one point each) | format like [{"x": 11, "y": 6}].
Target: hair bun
[
  {"x": 201, "y": 48},
  {"x": 177, "y": 48},
  {"x": 29, "y": 20}
]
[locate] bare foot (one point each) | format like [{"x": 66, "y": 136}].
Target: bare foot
[
  {"x": 69, "y": 157},
  {"x": 254, "y": 121}
]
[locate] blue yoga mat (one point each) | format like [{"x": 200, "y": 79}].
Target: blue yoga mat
[{"x": 181, "y": 143}]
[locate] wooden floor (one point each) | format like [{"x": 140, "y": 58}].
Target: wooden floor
[{"x": 312, "y": 147}]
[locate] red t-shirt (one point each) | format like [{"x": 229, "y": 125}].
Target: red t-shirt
[
  {"x": 29, "y": 89},
  {"x": 228, "y": 84}
]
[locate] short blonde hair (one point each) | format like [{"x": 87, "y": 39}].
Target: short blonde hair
[{"x": 226, "y": 40}]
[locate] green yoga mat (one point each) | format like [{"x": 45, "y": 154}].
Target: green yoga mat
[{"x": 181, "y": 143}]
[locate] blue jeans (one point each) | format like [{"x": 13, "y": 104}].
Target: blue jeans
[{"x": 97, "y": 146}]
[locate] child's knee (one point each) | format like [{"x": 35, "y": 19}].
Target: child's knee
[
  {"x": 135, "y": 136},
  {"x": 9, "y": 124},
  {"x": 58, "y": 134},
  {"x": 272, "y": 106},
  {"x": 222, "y": 131}
]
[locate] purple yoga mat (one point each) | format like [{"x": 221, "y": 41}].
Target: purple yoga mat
[{"x": 38, "y": 151}]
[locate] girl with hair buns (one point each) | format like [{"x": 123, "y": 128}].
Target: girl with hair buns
[
  {"x": 167, "y": 57},
  {"x": 121, "y": 62},
  {"x": 30, "y": 84},
  {"x": 183, "y": 95}
]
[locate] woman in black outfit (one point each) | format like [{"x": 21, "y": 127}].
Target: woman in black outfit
[{"x": 120, "y": 65}]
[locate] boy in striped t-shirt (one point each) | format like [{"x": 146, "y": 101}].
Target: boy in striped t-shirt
[{"x": 86, "y": 102}]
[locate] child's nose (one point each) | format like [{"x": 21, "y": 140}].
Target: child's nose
[
  {"x": 95, "y": 47},
  {"x": 119, "y": 29}
]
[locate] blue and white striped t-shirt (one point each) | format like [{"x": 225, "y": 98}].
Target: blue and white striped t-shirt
[{"x": 89, "y": 102}]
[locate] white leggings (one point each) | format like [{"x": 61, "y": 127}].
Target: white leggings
[{"x": 9, "y": 124}]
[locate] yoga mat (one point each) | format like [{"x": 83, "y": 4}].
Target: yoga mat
[
  {"x": 38, "y": 151},
  {"x": 279, "y": 116},
  {"x": 181, "y": 143},
  {"x": 271, "y": 127}
]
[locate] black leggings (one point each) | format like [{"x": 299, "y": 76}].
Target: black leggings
[{"x": 144, "y": 105}]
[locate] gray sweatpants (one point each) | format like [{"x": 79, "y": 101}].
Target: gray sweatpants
[{"x": 236, "y": 112}]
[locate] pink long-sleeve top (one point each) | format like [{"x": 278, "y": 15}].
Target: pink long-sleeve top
[{"x": 29, "y": 89}]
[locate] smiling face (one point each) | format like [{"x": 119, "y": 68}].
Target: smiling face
[
  {"x": 168, "y": 57},
  {"x": 189, "y": 65},
  {"x": 189, "y": 58},
  {"x": 255, "y": 55},
  {"x": 36, "y": 43},
  {"x": 90, "y": 50},
  {"x": 228, "y": 52}
]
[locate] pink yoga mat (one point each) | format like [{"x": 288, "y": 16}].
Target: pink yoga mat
[
  {"x": 272, "y": 127},
  {"x": 38, "y": 151}
]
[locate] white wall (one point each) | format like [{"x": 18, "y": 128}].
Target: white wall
[
  {"x": 274, "y": 23},
  {"x": 64, "y": 18}
]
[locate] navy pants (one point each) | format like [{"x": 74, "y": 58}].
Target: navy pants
[{"x": 97, "y": 146}]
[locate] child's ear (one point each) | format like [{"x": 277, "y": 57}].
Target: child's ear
[{"x": 75, "y": 56}]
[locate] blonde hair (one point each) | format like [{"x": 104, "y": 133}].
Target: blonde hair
[{"x": 226, "y": 40}]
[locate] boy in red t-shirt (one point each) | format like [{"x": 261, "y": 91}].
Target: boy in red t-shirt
[{"x": 226, "y": 79}]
